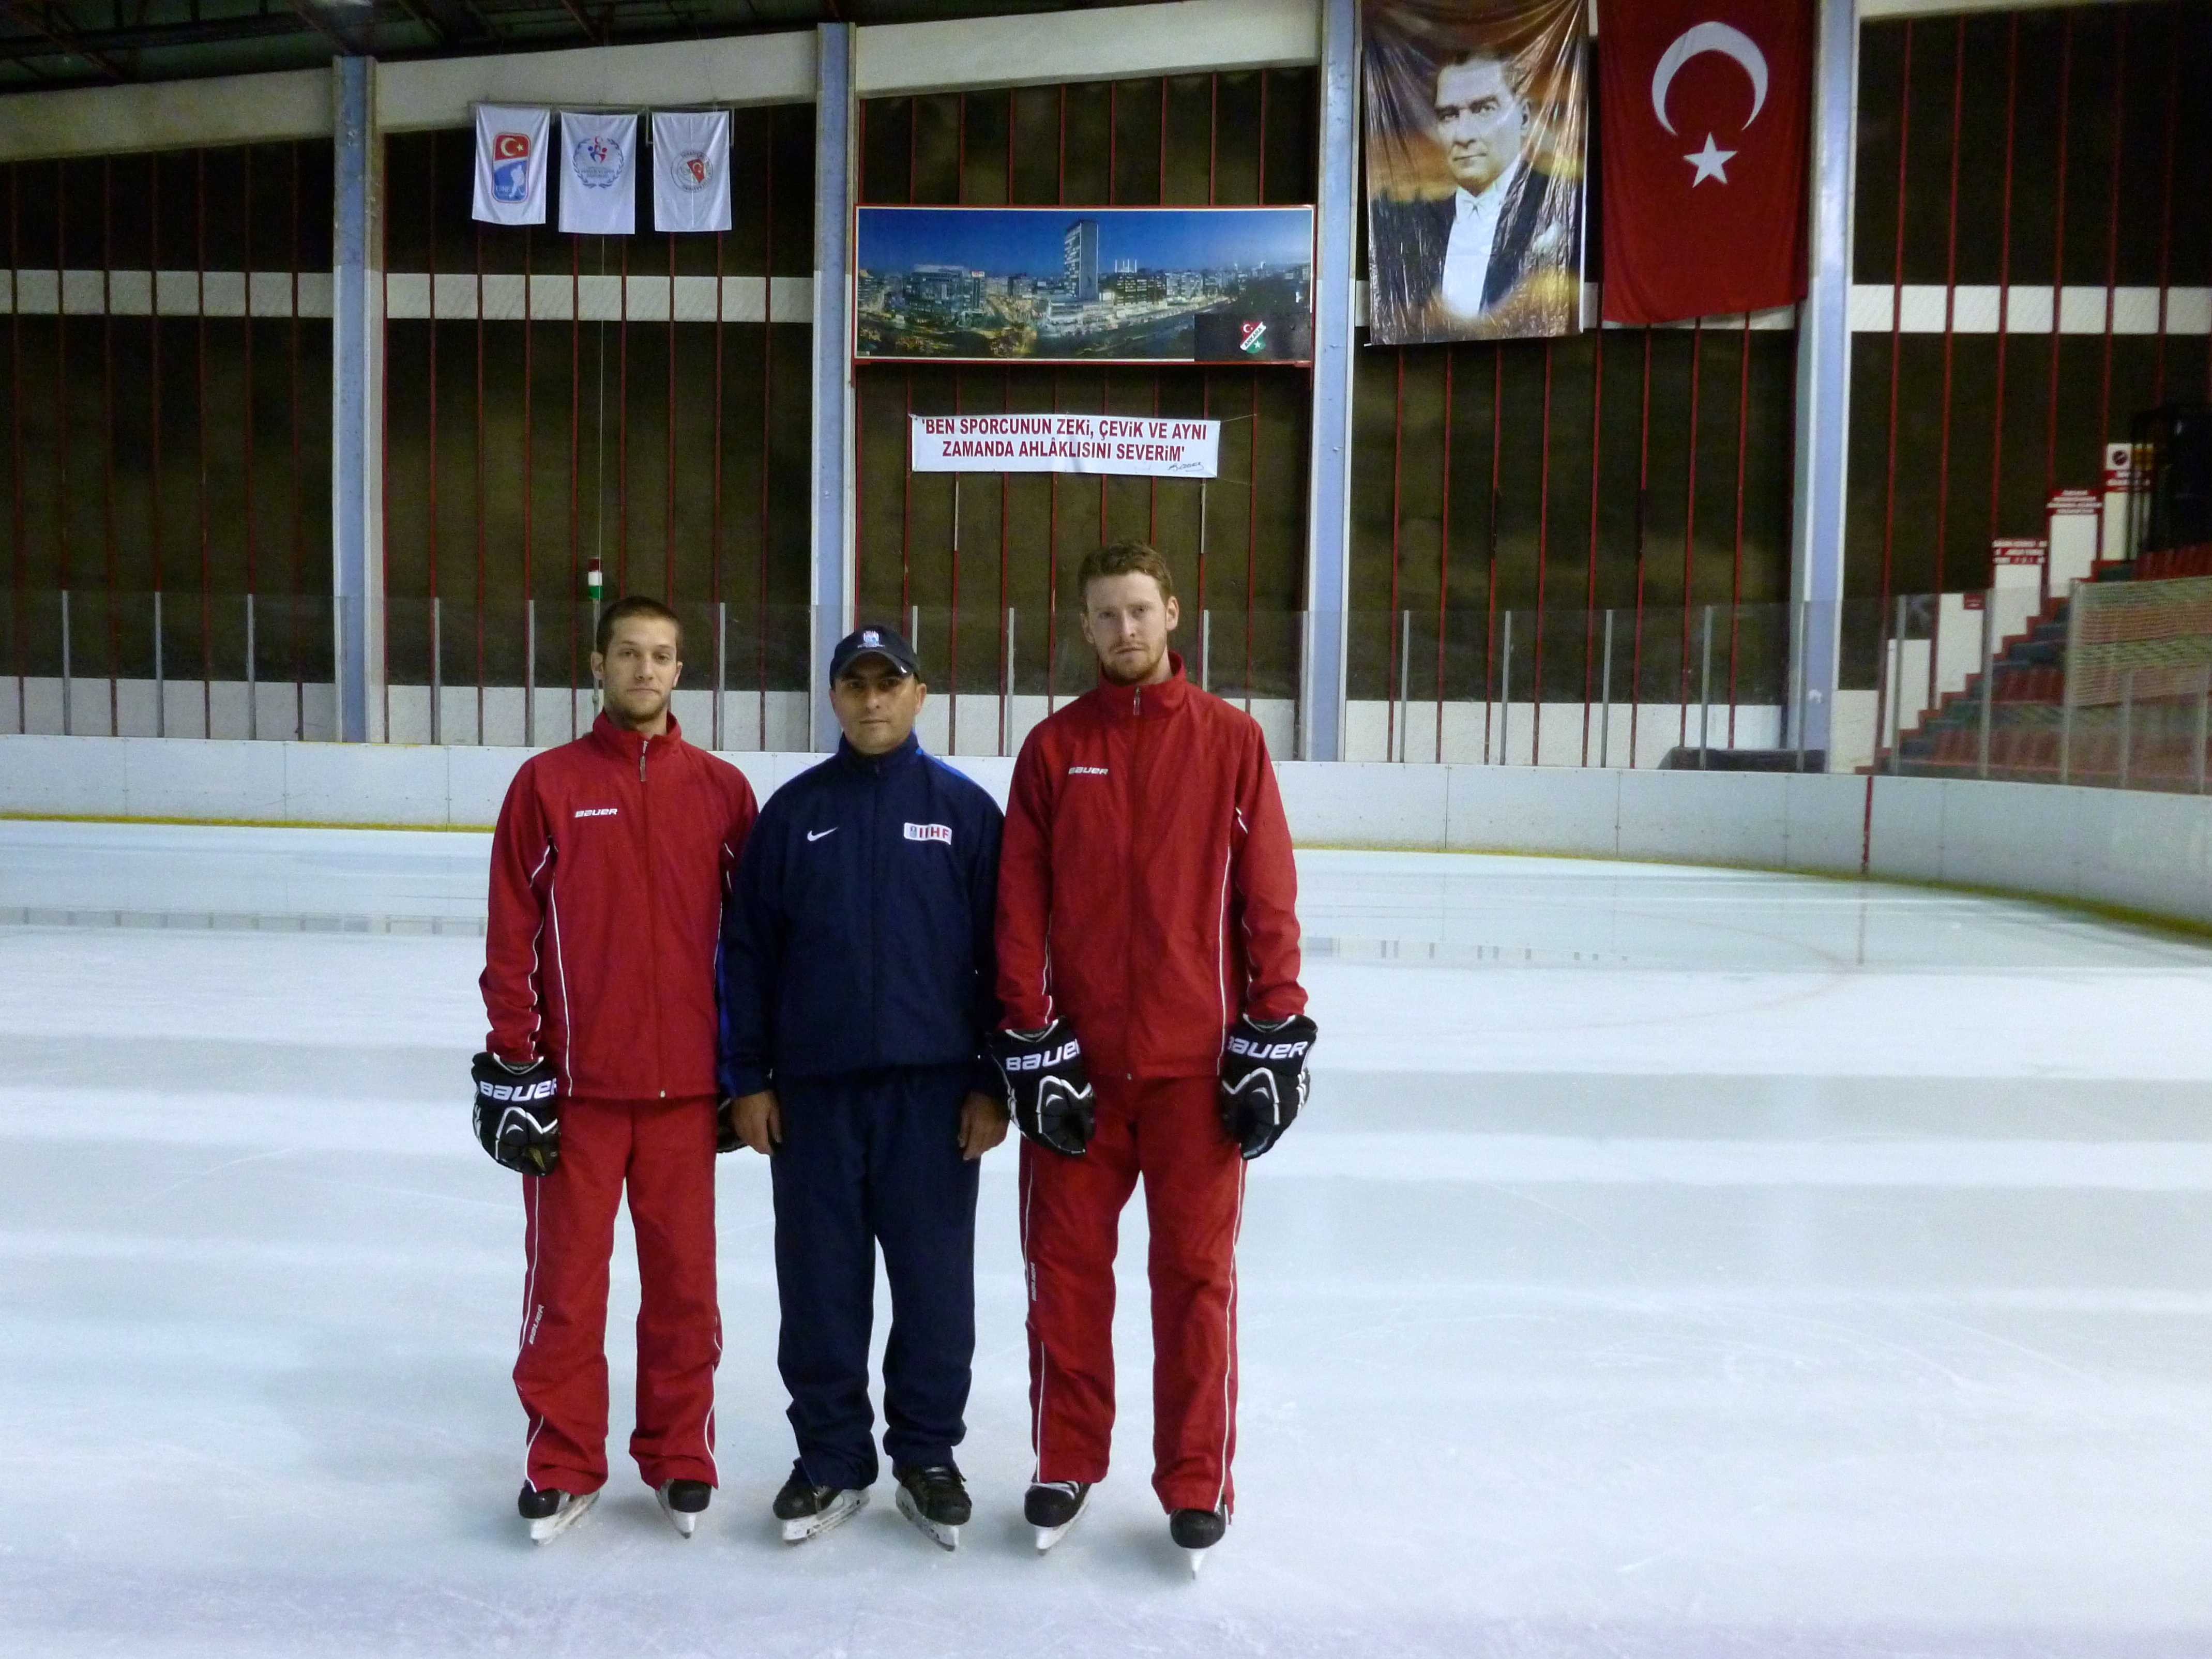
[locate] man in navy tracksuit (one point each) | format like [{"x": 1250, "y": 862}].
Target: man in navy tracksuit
[{"x": 858, "y": 986}]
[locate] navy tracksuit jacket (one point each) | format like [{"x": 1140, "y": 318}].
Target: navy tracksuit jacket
[{"x": 857, "y": 981}]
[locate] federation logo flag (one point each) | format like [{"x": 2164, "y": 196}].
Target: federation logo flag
[
  {"x": 692, "y": 169},
  {"x": 511, "y": 164},
  {"x": 1706, "y": 110},
  {"x": 598, "y": 174}
]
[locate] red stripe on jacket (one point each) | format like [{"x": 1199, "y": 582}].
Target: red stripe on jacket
[
  {"x": 608, "y": 871},
  {"x": 1147, "y": 890}
]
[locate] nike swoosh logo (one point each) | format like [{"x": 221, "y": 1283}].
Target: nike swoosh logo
[{"x": 817, "y": 835}]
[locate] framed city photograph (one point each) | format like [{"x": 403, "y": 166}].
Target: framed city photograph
[{"x": 1203, "y": 285}]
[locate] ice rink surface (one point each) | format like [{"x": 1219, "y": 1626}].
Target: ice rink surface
[{"x": 1690, "y": 1264}]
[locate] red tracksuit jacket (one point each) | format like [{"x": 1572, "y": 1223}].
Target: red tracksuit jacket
[
  {"x": 1146, "y": 891},
  {"x": 608, "y": 871}
]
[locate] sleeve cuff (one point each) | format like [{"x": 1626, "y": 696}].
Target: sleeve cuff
[{"x": 741, "y": 1080}]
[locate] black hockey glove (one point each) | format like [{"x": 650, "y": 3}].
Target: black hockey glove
[
  {"x": 518, "y": 1113},
  {"x": 1047, "y": 1089},
  {"x": 1263, "y": 1079}
]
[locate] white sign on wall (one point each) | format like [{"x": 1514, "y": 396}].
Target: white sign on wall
[
  {"x": 692, "y": 169},
  {"x": 1147, "y": 446},
  {"x": 598, "y": 173},
  {"x": 511, "y": 151}
]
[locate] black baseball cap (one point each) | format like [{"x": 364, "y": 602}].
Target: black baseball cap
[{"x": 883, "y": 642}]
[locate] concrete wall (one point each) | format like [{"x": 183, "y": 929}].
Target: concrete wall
[
  {"x": 752, "y": 69},
  {"x": 1040, "y": 48},
  {"x": 231, "y": 109},
  {"x": 2151, "y": 853}
]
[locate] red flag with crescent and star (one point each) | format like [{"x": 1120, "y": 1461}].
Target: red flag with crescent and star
[{"x": 1706, "y": 110}]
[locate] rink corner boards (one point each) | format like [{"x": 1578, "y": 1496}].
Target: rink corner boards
[{"x": 241, "y": 824}]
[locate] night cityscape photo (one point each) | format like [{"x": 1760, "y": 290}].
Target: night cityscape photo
[{"x": 1157, "y": 284}]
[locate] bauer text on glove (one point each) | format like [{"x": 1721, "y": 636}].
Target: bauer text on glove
[
  {"x": 518, "y": 1112},
  {"x": 1048, "y": 1088},
  {"x": 1264, "y": 1079}
]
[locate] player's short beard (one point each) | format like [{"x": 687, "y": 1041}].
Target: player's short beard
[
  {"x": 621, "y": 709},
  {"x": 1113, "y": 670}
]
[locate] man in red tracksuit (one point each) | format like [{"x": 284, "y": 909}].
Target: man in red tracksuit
[
  {"x": 608, "y": 871},
  {"x": 1148, "y": 950}
]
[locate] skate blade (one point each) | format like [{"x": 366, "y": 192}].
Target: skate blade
[
  {"x": 546, "y": 1531},
  {"x": 1197, "y": 1559},
  {"x": 842, "y": 1508},
  {"x": 683, "y": 1520},
  {"x": 1048, "y": 1536},
  {"x": 945, "y": 1538}
]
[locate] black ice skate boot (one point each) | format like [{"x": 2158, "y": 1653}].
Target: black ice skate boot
[
  {"x": 1052, "y": 1507},
  {"x": 808, "y": 1510},
  {"x": 551, "y": 1511},
  {"x": 1196, "y": 1531},
  {"x": 935, "y": 1500},
  {"x": 684, "y": 1502}
]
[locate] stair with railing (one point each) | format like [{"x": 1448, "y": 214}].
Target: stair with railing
[{"x": 2030, "y": 736}]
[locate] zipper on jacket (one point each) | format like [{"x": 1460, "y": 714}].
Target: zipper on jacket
[
  {"x": 652, "y": 914},
  {"x": 1131, "y": 877},
  {"x": 876, "y": 839}
]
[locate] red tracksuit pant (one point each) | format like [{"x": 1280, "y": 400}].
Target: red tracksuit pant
[
  {"x": 1168, "y": 1131},
  {"x": 663, "y": 1152}
]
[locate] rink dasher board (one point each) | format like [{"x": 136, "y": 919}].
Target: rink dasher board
[{"x": 207, "y": 922}]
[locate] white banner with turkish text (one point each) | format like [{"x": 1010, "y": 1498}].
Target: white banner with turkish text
[
  {"x": 692, "y": 169},
  {"x": 1145, "y": 445},
  {"x": 598, "y": 173},
  {"x": 511, "y": 164}
]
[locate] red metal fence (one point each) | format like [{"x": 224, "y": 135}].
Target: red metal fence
[
  {"x": 165, "y": 359},
  {"x": 983, "y": 562},
  {"x": 555, "y": 401}
]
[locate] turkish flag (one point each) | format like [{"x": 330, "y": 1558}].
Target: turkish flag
[{"x": 1707, "y": 108}]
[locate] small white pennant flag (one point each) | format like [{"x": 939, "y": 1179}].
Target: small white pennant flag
[
  {"x": 598, "y": 174},
  {"x": 692, "y": 169},
  {"x": 510, "y": 146}
]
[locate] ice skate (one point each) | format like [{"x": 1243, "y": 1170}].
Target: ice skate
[
  {"x": 684, "y": 1502},
  {"x": 808, "y": 1510},
  {"x": 551, "y": 1511},
  {"x": 1052, "y": 1507},
  {"x": 1196, "y": 1531},
  {"x": 936, "y": 1500}
]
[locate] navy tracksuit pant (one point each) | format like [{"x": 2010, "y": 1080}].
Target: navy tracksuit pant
[{"x": 872, "y": 1157}]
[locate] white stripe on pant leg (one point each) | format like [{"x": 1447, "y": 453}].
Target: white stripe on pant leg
[
  {"x": 1044, "y": 1357},
  {"x": 715, "y": 1478},
  {"x": 1229, "y": 1360},
  {"x": 529, "y": 1294}
]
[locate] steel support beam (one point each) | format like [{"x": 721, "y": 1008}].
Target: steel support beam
[
  {"x": 1321, "y": 685},
  {"x": 832, "y": 539},
  {"x": 1824, "y": 369},
  {"x": 356, "y": 347}
]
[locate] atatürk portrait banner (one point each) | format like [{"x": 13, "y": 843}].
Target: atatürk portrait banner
[{"x": 1477, "y": 129}]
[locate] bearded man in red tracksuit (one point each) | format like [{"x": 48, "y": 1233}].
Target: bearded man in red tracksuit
[
  {"x": 1155, "y": 1028},
  {"x": 608, "y": 868}
]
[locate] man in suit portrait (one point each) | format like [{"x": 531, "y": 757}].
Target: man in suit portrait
[{"x": 1438, "y": 264}]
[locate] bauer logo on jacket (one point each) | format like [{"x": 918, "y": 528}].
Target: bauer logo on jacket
[
  {"x": 597, "y": 812},
  {"x": 1086, "y": 771},
  {"x": 930, "y": 832}
]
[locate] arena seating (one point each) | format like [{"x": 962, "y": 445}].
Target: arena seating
[{"x": 2150, "y": 744}]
